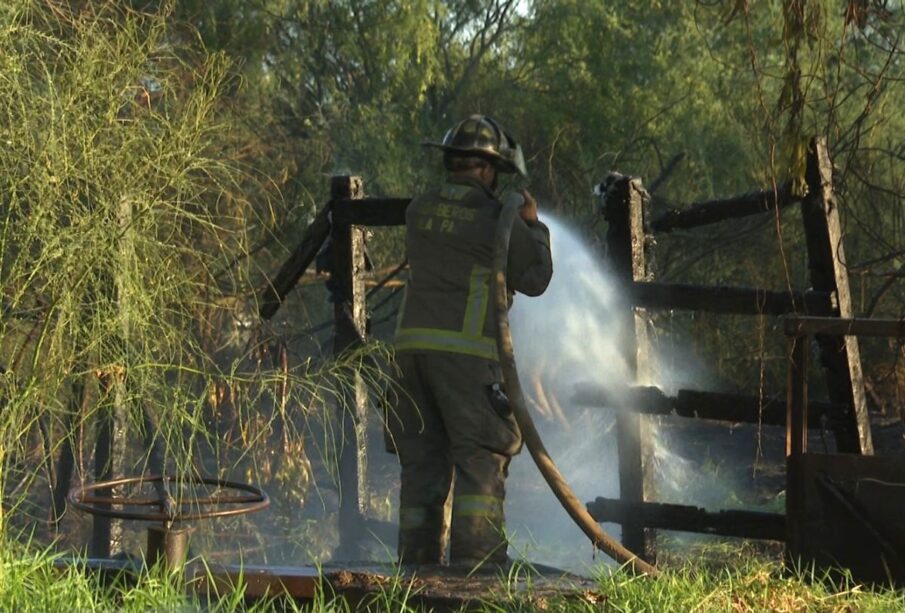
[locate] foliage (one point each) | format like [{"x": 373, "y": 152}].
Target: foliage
[
  {"x": 737, "y": 88},
  {"x": 128, "y": 274}
]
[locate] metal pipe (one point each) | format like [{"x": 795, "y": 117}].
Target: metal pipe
[{"x": 168, "y": 544}]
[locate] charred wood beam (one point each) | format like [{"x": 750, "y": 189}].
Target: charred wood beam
[
  {"x": 840, "y": 356},
  {"x": 294, "y": 267},
  {"x": 715, "y": 211},
  {"x": 713, "y": 406},
  {"x": 742, "y": 524},
  {"x": 68, "y": 446},
  {"x": 370, "y": 212},
  {"x": 835, "y": 326},
  {"x": 750, "y": 409},
  {"x": 336, "y": 213},
  {"x": 624, "y": 210},
  {"x": 347, "y": 265},
  {"x": 731, "y": 300}
]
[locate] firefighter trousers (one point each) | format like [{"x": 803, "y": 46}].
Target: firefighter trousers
[{"x": 455, "y": 439}]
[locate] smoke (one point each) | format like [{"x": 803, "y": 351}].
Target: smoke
[{"x": 567, "y": 336}]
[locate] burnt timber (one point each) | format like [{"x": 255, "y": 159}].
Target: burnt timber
[
  {"x": 342, "y": 211},
  {"x": 846, "y": 414},
  {"x": 742, "y": 524},
  {"x": 361, "y": 586},
  {"x": 370, "y": 211},
  {"x": 347, "y": 267},
  {"x": 840, "y": 356},
  {"x": 854, "y": 326},
  {"x": 711, "y": 406},
  {"x": 296, "y": 265},
  {"x": 625, "y": 202},
  {"x": 729, "y": 300},
  {"x": 715, "y": 211}
]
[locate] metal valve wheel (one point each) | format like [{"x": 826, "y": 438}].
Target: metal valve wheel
[
  {"x": 168, "y": 541},
  {"x": 170, "y": 510}
]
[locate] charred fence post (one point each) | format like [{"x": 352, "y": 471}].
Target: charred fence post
[
  {"x": 796, "y": 439},
  {"x": 102, "y": 528},
  {"x": 843, "y": 510},
  {"x": 625, "y": 198},
  {"x": 347, "y": 258},
  {"x": 66, "y": 463},
  {"x": 840, "y": 356},
  {"x": 112, "y": 432}
]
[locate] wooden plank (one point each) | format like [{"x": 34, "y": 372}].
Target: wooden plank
[
  {"x": 68, "y": 445},
  {"x": 855, "y": 326},
  {"x": 855, "y": 523},
  {"x": 742, "y": 524},
  {"x": 371, "y": 211},
  {"x": 739, "y": 408},
  {"x": 840, "y": 356},
  {"x": 797, "y": 401},
  {"x": 715, "y": 211},
  {"x": 296, "y": 265},
  {"x": 102, "y": 526},
  {"x": 298, "y": 582},
  {"x": 713, "y": 406},
  {"x": 626, "y": 249},
  {"x": 796, "y": 439},
  {"x": 347, "y": 257},
  {"x": 729, "y": 300},
  {"x": 645, "y": 399}
]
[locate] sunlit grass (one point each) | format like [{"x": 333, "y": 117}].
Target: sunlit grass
[
  {"x": 29, "y": 581},
  {"x": 759, "y": 586}
]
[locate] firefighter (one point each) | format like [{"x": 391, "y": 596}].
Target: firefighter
[{"x": 453, "y": 429}]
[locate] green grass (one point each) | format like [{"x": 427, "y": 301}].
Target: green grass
[
  {"x": 757, "y": 587},
  {"x": 30, "y": 582}
]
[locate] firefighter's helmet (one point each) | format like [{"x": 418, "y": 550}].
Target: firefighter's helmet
[{"x": 482, "y": 136}]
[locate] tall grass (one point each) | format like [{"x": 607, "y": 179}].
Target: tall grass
[
  {"x": 127, "y": 274},
  {"x": 29, "y": 581},
  {"x": 757, "y": 586}
]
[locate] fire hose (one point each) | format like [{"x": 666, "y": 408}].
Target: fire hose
[{"x": 570, "y": 502}]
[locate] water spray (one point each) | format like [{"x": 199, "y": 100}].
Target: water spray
[{"x": 567, "y": 498}]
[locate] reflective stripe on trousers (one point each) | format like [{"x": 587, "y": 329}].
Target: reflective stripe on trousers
[{"x": 478, "y": 506}]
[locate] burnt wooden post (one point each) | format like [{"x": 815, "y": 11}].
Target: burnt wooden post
[
  {"x": 625, "y": 246},
  {"x": 797, "y": 404},
  {"x": 102, "y": 527},
  {"x": 840, "y": 356},
  {"x": 796, "y": 440},
  {"x": 347, "y": 257},
  {"x": 110, "y": 447},
  {"x": 66, "y": 464}
]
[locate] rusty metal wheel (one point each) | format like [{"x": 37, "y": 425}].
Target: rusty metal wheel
[{"x": 170, "y": 509}]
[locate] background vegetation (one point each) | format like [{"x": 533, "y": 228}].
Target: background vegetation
[
  {"x": 159, "y": 159},
  {"x": 736, "y": 88}
]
